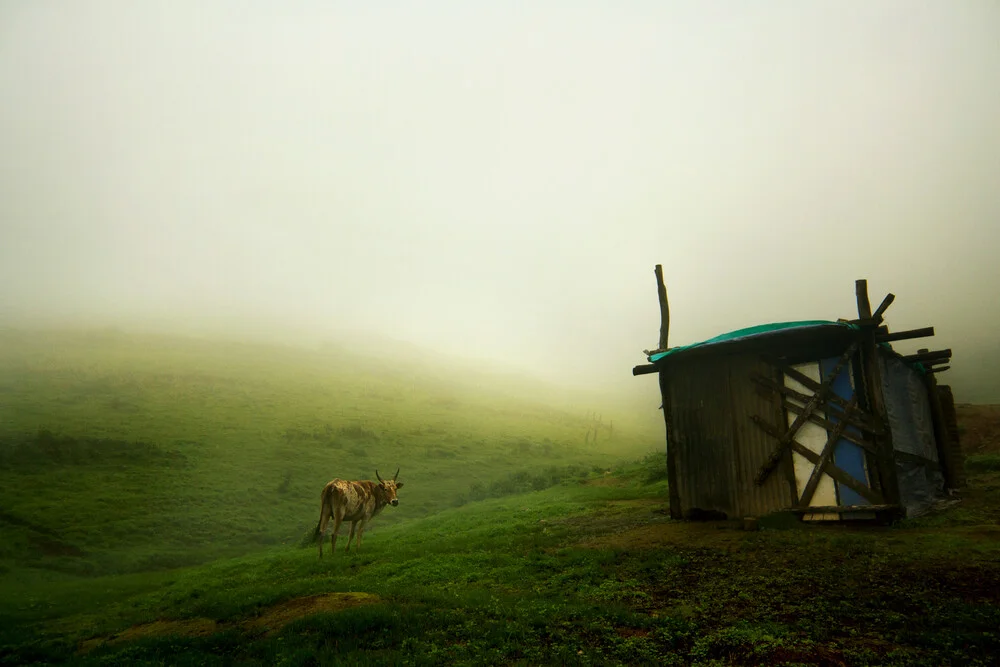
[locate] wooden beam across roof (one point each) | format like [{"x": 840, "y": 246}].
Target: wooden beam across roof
[
  {"x": 904, "y": 335},
  {"x": 928, "y": 357}
]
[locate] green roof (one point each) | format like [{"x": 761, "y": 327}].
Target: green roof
[{"x": 753, "y": 332}]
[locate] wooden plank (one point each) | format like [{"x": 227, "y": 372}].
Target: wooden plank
[
  {"x": 860, "y": 419},
  {"x": 645, "y": 369},
  {"x": 938, "y": 370},
  {"x": 799, "y": 377},
  {"x": 871, "y": 376},
  {"x": 673, "y": 490},
  {"x": 781, "y": 417},
  {"x": 827, "y": 455},
  {"x": 832, "y": 470},
  {"x": 847, "y": 456},
  {"x": 952, "y": 451},
  {"x": 661, "y": 293},
  {"x": 882, "y": 307},
  {"x": 904, "y": 335},
  {"x": 810, "y": 435},
  {"x": 814, "y": 402},
  {"x": 840, "y": 475},
  {"x": 941, "y": 435},
  {"x": 842, "y": 509},
  {"x": 827, "y": 424},
  {"x": 864, "y": 306},
  {"x": 928, "y": 356},
  {"x": 873, "y": 424}
]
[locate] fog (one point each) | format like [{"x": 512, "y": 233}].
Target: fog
[{"x": 497, "y": 180}]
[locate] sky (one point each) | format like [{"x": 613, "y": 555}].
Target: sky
[{"x": 498, "y": 180}]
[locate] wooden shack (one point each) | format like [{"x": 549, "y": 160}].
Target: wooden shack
[{"x": 822, "y": 418}]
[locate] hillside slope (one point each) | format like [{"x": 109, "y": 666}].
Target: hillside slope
[
  {"x": 127, "y": 453},
  {"x": 589, "y": 572}
]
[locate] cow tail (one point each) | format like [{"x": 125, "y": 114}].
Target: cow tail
[{"x": 311, "y": 539}]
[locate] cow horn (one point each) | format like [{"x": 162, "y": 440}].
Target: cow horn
[
  {"x": 377, "y": 476},
  {"x": 396, "y": 475}
]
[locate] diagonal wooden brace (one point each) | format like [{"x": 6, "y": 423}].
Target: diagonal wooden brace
[
  {"x": 873, "y": 425},
  {"x": 824, "y": 390},
  {"x": 832, "y": 470},
  {"x": 860, "y": 419},
  {"x": 827, "y": 454},
  {"x": 861, "y": 442}
]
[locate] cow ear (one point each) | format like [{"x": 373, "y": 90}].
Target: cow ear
[{"x": 399, "y": 485}]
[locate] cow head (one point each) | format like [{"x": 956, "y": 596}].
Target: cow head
[{"x": 389, "y": 487}]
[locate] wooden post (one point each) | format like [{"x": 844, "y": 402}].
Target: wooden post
[
  {"x": 941, "y": 434},
  {"x": 672, "y": 491},
  {"x": 661, "y": 291},
  {"x": 782, "y": 418},
  {"x": 951, "y": 422},
  {"x": 872, "y": 375},
  {"x": 905, "y": 335},
  {"x": 880, "y": 311},
  {"x": 864, "y": 306}
]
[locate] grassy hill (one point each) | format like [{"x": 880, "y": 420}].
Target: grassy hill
[
  {"x": 126, "y": 453},
  {"x": 588, "y": 572},
  {"x": 154, "y": 492}
]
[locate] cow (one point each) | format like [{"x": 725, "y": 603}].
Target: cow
[{"x": 356, "y": 501}]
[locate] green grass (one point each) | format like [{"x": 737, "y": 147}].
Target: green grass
[
  {"x": 983, "y": 463},
  {"x": 144, "y": 452},
  {"x": 517, "y": 540},
  {"x": 558, "y": 576}
]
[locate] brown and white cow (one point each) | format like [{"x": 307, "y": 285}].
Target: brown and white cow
[{"x": 356, "y": 501}]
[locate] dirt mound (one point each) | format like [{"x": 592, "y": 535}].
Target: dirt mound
[
  {"x": 270, "y": 621},
  {"x": 191, "y": 627},
  {"x": 979, "y": 428},
  {"x": 276, "y": 617}
]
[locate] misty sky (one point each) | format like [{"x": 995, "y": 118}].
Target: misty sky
[{"x": 499, "y": 179}]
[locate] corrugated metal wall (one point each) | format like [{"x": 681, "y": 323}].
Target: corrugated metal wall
[
  {"x": 912, "y": 426},
  {"x": 718, "y": 448}
]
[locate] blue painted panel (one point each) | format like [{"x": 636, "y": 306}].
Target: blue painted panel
[{"x": 846, "y": 455}]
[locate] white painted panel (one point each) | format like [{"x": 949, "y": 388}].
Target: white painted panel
[{"x": 813, "y": 437}]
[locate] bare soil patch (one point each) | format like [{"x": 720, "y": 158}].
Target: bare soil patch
[
  {"x": 660, "y": 532},
  {"x": 270, "y": 621},
  {"x": 190, "y": 627},
  {"x": 276, "y": 617}
]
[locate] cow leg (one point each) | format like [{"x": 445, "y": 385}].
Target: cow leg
[
  {"x": 338, "y": 517},
  {"x": 353, "y": 525},
  {"x": 361, "y": 531},
  {"x": 324, "y": 519}
]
